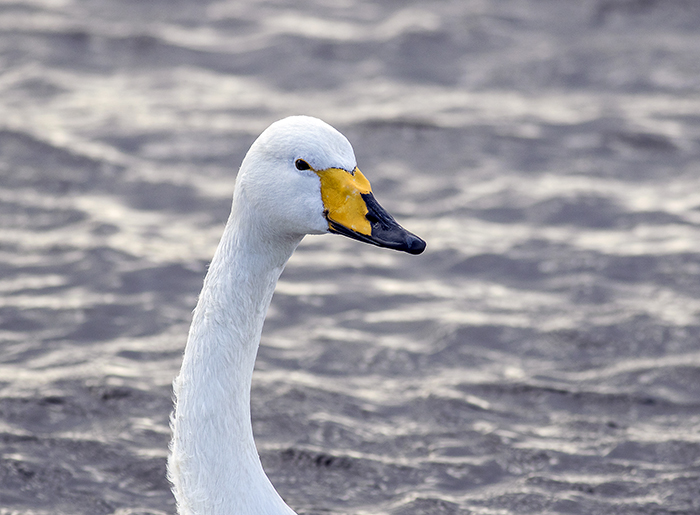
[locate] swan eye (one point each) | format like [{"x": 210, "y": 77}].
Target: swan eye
[{"x": 301, "y": 164}]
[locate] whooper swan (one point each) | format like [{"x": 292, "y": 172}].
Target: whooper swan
[{"x": 299, "y": 177}]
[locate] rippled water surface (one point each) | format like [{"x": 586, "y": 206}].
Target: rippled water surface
[{"x": 541, "y": 357}]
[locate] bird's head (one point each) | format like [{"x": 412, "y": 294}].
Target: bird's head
[{"x": 301, "y": 175}]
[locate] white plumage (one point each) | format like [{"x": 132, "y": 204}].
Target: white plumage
[{"x": 213, "y": 465}]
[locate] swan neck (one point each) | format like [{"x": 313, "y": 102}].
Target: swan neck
[{"x": 214, "y": 465}]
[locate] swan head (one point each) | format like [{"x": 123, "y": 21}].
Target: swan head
[{"x": 301, "y": 177}]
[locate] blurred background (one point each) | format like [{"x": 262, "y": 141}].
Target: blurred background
[{"x": 542, "y": 356}]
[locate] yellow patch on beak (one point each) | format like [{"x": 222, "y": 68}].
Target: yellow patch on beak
[{"x": 342, "y": 197}]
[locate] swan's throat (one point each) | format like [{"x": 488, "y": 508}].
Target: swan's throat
[{"x": 214, "y": 465}]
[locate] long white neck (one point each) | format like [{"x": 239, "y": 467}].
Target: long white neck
[{"x": 214, "y": 465}]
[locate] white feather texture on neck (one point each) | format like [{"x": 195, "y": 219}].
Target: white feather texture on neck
[{"x": 214, "y": 465}]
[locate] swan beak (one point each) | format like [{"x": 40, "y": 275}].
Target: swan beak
[{"x": 352, "y": 210}]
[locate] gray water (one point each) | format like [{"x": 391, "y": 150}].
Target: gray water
[{"x": 541, "y": 357}]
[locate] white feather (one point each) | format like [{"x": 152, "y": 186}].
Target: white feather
[{"x": 213, "y": 465}]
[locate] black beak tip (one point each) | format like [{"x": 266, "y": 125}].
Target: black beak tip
[{"x": 414, "y": 244}]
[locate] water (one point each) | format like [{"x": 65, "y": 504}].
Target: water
[{"x": 540, "y": 357}]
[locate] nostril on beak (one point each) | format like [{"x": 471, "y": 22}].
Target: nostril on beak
[{"x": 372, "y": 219}]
